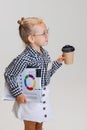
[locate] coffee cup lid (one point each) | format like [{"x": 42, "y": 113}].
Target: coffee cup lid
[{"x": 68, "y": 48}]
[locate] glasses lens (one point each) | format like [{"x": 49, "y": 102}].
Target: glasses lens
[{"x": 43, "y": 34}]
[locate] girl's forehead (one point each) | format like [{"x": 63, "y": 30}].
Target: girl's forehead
[{"x": 40, "y": 27}]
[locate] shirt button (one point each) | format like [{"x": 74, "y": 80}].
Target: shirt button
[
  {"x": 43, "y": 95},
  {"x": 45, "y": 115},
  {"x": 44, "y": 102},
  {"x": 44, "y": 88},
  {"x": 44, "y": 108}
]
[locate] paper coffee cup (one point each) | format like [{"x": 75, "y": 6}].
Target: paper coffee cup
[{"x": 68, "y": 53}]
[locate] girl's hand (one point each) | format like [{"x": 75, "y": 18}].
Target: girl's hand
[
  {"x": 21, "y": 99},
  {"x": 60, "y": 59}
]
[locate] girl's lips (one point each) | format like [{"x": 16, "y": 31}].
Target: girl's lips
[{"x": 46, "y": 40}]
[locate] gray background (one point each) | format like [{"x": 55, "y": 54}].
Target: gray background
[{"x": 67, "y": 21}]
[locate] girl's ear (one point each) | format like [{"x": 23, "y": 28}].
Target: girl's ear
[{"x": 30, "y": 39}]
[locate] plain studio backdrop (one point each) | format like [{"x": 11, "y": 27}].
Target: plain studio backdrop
[{"x": 67, "y": 23}]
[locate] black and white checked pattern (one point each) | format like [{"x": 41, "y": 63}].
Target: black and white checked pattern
[{"x": 29, "y": 58}]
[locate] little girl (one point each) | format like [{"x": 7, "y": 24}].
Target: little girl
[{"x": 34, "y": 33}]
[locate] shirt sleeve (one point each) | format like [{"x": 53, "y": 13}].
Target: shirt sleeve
[{"x": 12, "y": 71}]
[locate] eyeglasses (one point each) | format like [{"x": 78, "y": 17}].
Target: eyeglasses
[{"x": 45, "y": 33}]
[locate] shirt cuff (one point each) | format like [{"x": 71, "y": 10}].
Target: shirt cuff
[
  {"x": 15, "y": 92},
  {"x": 57, "y": 64}
]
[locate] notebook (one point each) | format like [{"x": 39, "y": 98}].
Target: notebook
[{"x": 30, "y": 83}]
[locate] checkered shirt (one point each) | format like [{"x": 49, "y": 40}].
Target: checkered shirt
[{"x": 32, "y": 58}]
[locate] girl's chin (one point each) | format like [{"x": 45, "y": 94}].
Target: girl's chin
[{"x": 46, "y": 42}]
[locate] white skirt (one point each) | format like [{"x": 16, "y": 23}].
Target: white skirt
[{"x": 38, "y": 112}]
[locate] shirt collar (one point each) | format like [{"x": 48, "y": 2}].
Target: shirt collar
[{"x": 33, "y": 52}]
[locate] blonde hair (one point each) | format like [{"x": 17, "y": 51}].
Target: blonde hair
[{"x": 26, "y": 26}]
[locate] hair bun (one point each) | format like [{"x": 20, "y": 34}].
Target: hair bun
[
  {"x": 20, "y": 22},
  {"x": 22, "y": 18}
]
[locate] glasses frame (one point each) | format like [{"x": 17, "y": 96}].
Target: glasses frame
[{"x": 45, "y": 33}]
